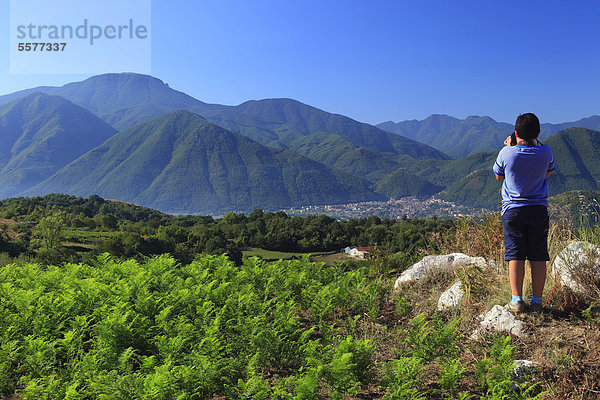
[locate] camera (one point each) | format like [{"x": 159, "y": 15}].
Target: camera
[{"x": 513, "y": 139}]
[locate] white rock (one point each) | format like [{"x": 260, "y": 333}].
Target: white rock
[
  {"x": 576, "y": 257},
  {"x": 499, "y": 319},
  {"x": 435, "y": 263},
  {"x": 451, "y": 297}
]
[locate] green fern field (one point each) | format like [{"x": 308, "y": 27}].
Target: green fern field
[{"x": 155, "y": 329}]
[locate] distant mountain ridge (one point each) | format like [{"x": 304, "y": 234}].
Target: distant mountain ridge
[{"x": 460, "y": 138}]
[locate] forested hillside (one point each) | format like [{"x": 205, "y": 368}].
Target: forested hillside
[{"x": 60, "y": 227}]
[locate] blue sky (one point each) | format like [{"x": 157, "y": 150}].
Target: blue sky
[{"x": 374, "y": 60}]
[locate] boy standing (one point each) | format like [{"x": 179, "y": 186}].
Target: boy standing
[{"x": 524, "y": 168}]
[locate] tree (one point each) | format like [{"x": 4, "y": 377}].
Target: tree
[
  {"x": 109, "y": 221},
  {"x": 50, "y": 230}
]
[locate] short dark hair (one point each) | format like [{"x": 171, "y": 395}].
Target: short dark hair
[{"x": 527, "y": 126}]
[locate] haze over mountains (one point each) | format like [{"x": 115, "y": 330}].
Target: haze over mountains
[{"x": 133, "y": 138}]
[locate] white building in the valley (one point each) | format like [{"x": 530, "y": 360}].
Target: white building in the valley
[{"x": 358, "y": 252}]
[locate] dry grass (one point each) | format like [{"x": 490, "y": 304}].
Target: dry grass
[
  {"x": 484, "y": 238},
  {"x": 564, "y": 338}
]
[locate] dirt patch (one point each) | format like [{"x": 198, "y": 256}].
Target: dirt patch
[
  {"x": 331, "y": 259},
  {"x": 7, "y": 228},
  {"x": 566, "y": 347}
]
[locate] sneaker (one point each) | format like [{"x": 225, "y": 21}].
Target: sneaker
[
  {"x": 515, "y": 308},
  {"x": 536, "y": 307}
]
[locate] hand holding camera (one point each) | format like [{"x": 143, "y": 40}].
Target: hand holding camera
[{"x": 511, "y": 140}]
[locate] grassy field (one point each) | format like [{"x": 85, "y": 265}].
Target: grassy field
[{"x": 87, "y": 237}]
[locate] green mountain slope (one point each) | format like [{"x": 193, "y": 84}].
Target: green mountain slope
[
  {"x": 402, "y": 183},
  {"x": 282, "y": 121},
  {"x": 335, "y": 151},
  {"x": 577, "y": 154},
  {"x": 447, "y": 172},
  {"x": 477, "y": 189},
  {"x": 182, "y": 163},
  {"x": 41, "y": 134}
]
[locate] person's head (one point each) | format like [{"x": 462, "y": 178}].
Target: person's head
[{"x": 527, "y": 126}]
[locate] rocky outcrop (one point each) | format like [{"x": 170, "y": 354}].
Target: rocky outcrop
[
  {"x": 429, "y": 264},
  {"x": 577, "y": 261}
]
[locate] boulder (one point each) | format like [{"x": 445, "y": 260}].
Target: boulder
[
  {"x": 451, "y": 297},
  {"x": 430, "y": 264},
  {"x": 499, "y": 319},
  {"x": 574, "y": 261}
]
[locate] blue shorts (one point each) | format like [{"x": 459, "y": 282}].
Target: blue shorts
[{"x": 526, "y": 233}]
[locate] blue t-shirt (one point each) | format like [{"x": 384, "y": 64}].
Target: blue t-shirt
[{"x": 524, "y": 170}]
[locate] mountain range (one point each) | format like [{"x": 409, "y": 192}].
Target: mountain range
[
  {"x": 121, "y": 100},
  {"x": 182, "y": 163},
  {"x": 460, "y": 138},
  {"x": 131, "y": 137}
]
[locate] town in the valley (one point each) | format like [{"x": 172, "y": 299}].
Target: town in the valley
[{"x": 407, "y": 206}]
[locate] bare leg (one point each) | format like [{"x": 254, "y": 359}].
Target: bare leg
[
  {"x": 538, "y": 277},
  {"x": 516, "y": 274}
]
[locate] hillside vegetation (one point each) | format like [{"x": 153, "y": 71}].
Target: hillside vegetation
[
  {"x": 66, "y": 228},
  {"x": 211, "y": 328}
]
